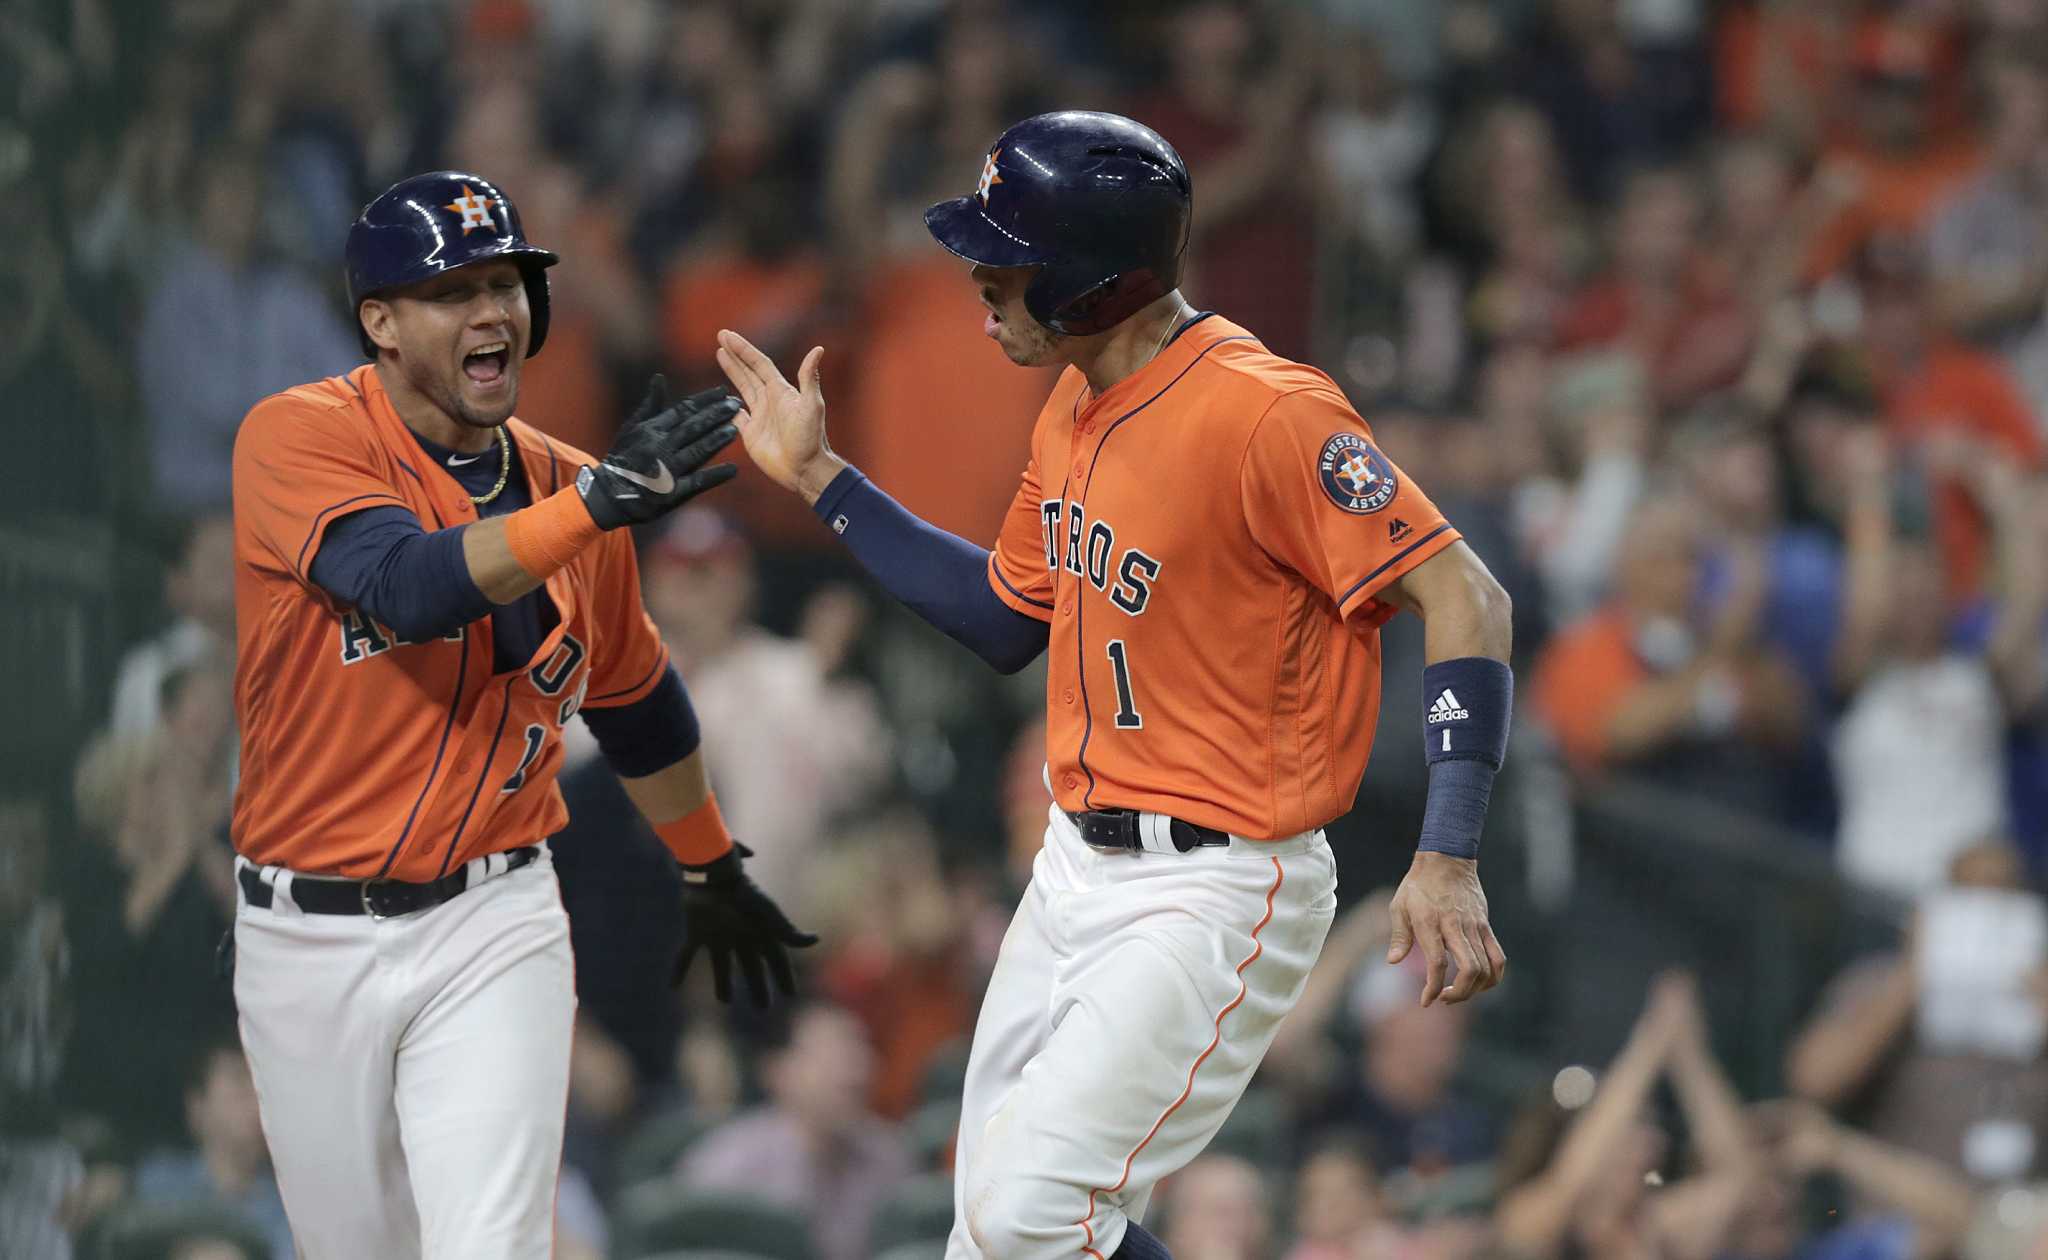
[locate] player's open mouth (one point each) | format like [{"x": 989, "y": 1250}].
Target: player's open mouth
[{"x": 486, "y": 364}]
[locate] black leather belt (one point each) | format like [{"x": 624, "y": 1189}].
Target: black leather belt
[
  {"x": 378, "y": 898},
  {"x": 1118, "y": 829}
]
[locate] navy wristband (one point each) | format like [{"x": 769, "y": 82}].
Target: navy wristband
[{"x": 1468, "y": 704}]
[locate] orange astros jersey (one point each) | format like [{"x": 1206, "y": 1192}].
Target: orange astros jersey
[
  {"x": 363, "y": 755},
  {"x": 1208, "y": 540}
]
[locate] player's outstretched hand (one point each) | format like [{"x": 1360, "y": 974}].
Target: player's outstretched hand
[
  {"x": 727, "y": 916},
  {"x": 657, "y": 462},
  {"x": 783, "y": 424},
  {"x": 1441, "y": 907}
]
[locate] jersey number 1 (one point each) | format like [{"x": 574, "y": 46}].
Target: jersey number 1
[{"x": 1127, "y": 716}]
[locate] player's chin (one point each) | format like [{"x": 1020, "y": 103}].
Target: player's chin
[
  {"x": 489, "y": 403},
  {"x": 1027, "y": 351}
]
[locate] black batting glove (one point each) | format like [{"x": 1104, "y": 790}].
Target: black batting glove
[
  {"x": 726, "y": 915},
  {"x": 656, "y": 464}
]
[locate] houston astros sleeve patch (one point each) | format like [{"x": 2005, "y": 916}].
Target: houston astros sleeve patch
[{"x": 1356, "y": 476}]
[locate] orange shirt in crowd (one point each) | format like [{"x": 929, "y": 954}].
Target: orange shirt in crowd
[
  {"x": 770, "y": 303},
  {"x": 1583, "y": 677},
  {"x": 565, "y": 388},
  {"x": 1960, "y": 389},
  {"x": 1899, "y": 195},
  {"x": 936, "y": 414},
  {"x": 912, "y": 1007},
  {"x": 773, "y": 304},
  {"x": 1810, "y": 62}
]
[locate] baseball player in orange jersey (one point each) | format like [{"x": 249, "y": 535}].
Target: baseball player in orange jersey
[
  {"x": 1204, "y": 544},
  {"x": 426, "y": 591}
]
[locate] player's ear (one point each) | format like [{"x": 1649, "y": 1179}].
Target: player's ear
[{"x": 380, "y": 323}]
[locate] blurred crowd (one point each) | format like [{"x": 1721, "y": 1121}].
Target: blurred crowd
[{"x": 1720, "y": 329}]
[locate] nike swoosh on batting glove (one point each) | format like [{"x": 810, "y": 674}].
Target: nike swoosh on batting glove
[
  {"x": 657, "y": 462},
  {"x": 727, "y": 916}
]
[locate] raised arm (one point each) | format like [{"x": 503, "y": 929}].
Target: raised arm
[
  {"x": 1467, "y": 638},
  {"x": 942, "y": 578},
  {"x": 1867, "y": 581},
  {"x": 1839, "y": 1049},
  {"x": 1532, "y": 1219}
]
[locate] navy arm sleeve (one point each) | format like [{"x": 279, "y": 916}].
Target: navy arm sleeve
[
  {"x": 381, "y": 561},
  {"x": 652, "y": 733},
  {"x": 940, "y": 577}
]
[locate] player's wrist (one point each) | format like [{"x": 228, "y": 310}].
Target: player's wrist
[
  {"x": 698, "y": 839},
  {"x": 545, "y": 537},
  {"x": 817, "y": 475}
]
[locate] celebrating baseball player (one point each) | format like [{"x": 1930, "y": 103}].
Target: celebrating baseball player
[
  {"x": 426, "y": 590},
  {"x": 1205, "y": 543}
]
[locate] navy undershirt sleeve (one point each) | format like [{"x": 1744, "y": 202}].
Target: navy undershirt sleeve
[
  {"x": 652, "y": 733},
  {"x": 382, "y": 562},
  {"x": 940, "y": 577}
]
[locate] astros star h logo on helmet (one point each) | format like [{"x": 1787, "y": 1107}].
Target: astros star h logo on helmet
[
  {"x": 989, "y": 176},
  {"x": 475, "y": 210}
]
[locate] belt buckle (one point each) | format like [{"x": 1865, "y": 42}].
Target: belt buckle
[
  {"x": 1122, "y": 826},
  {"x": 370, "y": 909}
]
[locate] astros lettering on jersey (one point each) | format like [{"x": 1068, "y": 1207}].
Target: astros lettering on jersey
[
  {"x": 338, "y": 779},
  {"x": 1218, "y": 666}
]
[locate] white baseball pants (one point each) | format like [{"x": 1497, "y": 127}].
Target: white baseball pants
[
  {"x": 1134, "y": 997},
  {"x": 412, "y": 1072}
]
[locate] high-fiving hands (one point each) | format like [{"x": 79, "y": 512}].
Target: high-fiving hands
[
  {"x": 783, "y": 425},
  {"x": 656, "y": 464}
]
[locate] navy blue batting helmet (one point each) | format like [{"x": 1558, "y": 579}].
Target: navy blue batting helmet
[
  {"x": 436, "y": 222},
  {"x": 1098, "y": 203}
]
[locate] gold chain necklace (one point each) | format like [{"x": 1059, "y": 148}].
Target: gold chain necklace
[{"x": 504, "y": 469}]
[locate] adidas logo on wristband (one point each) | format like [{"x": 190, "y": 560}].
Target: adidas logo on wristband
[{"x": 1447, "y": 709}]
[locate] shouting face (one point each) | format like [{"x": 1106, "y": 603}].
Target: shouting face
[
  {"x": 1027, "y": 342},
  {"x": 458, "y": 338}
]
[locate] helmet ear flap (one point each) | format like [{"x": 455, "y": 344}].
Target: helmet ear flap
[
  {"x": 1054, "y": 301},
  {"x": 537, "y": 296}
]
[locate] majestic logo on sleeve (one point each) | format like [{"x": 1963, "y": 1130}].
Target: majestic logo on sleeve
[{"x": 1355, "y": 476}]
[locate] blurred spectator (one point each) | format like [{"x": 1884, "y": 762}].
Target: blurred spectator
[
  {"x": 1234, "y": 119},
  {"x": 1339, "y": 1212},
  {"x": 1614, "y": 97},
  {"x": 1937, "y": 1047},
  {"x": 1894, "y": 161},
  {"x": 1658, "y": 298},
  {"x": 228, "y": 1162},
  {"x": 1909, "y": 1206},
  {"x": 1589, "y": 1192},
  {"x": 901, "y": 957},
  {"x": 1654, "y": 684},
  {"x": 199, "y": 590},
  {"x": 1216, "y": 1209},
  {"x": 1783, "y": 66},
  {"x": 38, "y": 1168},
  {"x": 814, "y": 1146},
  {"x": 1732, "y": 473},
  {"x": 934, "y": 411},
  {"x": 1988, "y": 248},
  {"x": 1574, "y": 510},
  {"x": 1910, "y": 803},
  {"x": 789, "y": 743},
  {"x": 146, "y": 908},
  {"x": 1397, "y": 1092},
  {"x": 1943, "y": 400},
  {"x": 1373, "y": 135},
  {"x": 1509, "y": 217},
  {"x": 223, "y": 328}
]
